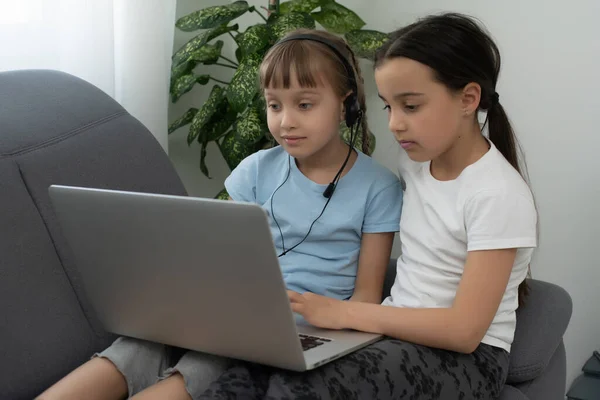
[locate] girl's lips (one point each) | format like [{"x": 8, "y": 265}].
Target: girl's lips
[
  {"x": 406, "y": 144},
  {"x": 293, "y": 139}
]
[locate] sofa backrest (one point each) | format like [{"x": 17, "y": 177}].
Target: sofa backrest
[{"x": 58, "y": 129}]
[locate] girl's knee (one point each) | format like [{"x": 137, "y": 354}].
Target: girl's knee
[{"x": 198, "y": 370}]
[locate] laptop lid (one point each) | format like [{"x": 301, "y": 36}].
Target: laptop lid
[{"x": 190, "y": 272}]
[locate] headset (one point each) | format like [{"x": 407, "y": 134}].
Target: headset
[{"x": 353, "y": 116}]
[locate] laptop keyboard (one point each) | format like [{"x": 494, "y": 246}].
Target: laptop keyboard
[{"x": 310, "y": 342}]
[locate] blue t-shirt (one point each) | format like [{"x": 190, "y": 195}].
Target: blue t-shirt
[{"x": 367, "y": 199}]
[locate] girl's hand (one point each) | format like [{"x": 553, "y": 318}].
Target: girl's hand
[{"x": 320, "y": 311}]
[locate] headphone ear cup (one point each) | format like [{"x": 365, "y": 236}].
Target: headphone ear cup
[{"x": 352, "y": 110}]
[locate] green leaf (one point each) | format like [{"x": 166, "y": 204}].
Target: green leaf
[
  {"x": 222, "y": 195},
  {"x": 249, "y": 127},
  {"x": 303, "y": 6},
  {"x": 203, "y": 166},
  {"x": 177, "y": 71},
  {"x": 244, "y": 83},
  {"x": 254, "y": 39},
  {"x": 185, "y": 119},
  {"x": 185, "y": 84},
  {"x": 185, "y": 52},
  {"x": 288, "y": 22},
  {"x": 211, "y": 17},
  {"x": 219, "y": 123},
  {"x": 238, "y": 54},
  {"x": 234, "y": 151},
  {"x": 206, "y": 112},
  {"x": 345, "y": 132},
  {"x": 221, "y": 120},
  {"x": 365, "y": 43},
  {"x": 208, "y": 54},
  {"x": 338, "y": 19}
]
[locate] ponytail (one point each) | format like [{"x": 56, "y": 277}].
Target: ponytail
[{"x": 502, "y": 135}]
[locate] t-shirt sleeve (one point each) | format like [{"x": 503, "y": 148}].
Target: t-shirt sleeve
[
  {"x": 500, "y": 220},
  {"x": 241, "y": 183},
  {"x": 384, "y": 209}
]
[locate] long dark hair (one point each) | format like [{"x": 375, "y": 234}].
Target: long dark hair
[{"x": 459, "y": 51}]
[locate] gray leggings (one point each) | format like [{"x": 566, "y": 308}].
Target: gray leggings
[{"x": 145, "y": 363}]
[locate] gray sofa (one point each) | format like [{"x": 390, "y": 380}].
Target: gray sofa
[{"x": 57, "y": 129}]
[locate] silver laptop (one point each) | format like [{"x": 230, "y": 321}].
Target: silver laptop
[{"x": 195, "y": 273}]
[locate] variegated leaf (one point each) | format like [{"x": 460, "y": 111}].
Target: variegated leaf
[
  {"x": 222, "y": 195},
  {"x": 177, "y": 71},
  {"x": 338, "y": 19},
  {"x": 185, "y": 52},
  {"x": 234, "y": 151},
  {"x": 244, "y": 84},
  {"x": 285, "y": 23},
  {"x": 203, "y": 166},
  {"x": 220, "y": 122},
  {"x": 208, "y": 54},
  {"x": 254, "y": 39},
  {"x": 248, "y": 127},
  {"x": 345, "y": 132},
  {"x": 185, "y": 84},
  {"x": 185, "y": 119},
  {"x": 206, "y": 112},
  {"x": 211, "y": 17},
  {"x": 365, "y": 42},
  {"x": 303, "y": 6}
]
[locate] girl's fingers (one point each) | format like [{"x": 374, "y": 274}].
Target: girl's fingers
[
  {"x": 294, "y": 297},
  {"x": 297, "y": 307}
]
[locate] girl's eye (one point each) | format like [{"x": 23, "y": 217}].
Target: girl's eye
[
  {"x": 274, "y": 107},
  {"x": 387, "y": 107},
  {"x": 305, "y": 106},
  {"x": 411, "y": 107}
]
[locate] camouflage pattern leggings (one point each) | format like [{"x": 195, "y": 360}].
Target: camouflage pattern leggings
[{"x": 389, "y": 369}]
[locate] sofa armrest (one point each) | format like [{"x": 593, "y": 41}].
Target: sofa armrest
[{"x": 541, "y": 324}]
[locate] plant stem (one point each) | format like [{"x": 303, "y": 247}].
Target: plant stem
[
  {"x": 273, "y": 6},
  {"x": 220, "y": 81},
  {"x": 226, "y": 65},
  {"x": 261, "y": 15},
  {"x": 233, "y": 37},
  {"x": 231, "y": 61}
]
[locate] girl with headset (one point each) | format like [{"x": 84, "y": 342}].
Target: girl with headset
[{"x": 333, "y": 213}]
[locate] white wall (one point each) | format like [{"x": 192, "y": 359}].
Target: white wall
[{"x": 551, "y": 91}]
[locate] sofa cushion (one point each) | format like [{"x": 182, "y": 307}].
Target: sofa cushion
[{"x": 541, "y": 324}]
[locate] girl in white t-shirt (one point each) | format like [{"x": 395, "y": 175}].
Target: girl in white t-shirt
[{"x": 468, "y": 226}]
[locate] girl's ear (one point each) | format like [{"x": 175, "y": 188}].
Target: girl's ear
[{"x": 470, "y": 98}]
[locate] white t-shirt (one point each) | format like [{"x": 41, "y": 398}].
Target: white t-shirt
[{"x": 489, "y": 206}]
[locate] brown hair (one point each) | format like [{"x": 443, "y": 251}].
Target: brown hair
[{"x": 312, "y": 61}]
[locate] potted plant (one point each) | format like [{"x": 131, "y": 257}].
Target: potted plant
[{"x": 234, "y": 115}]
